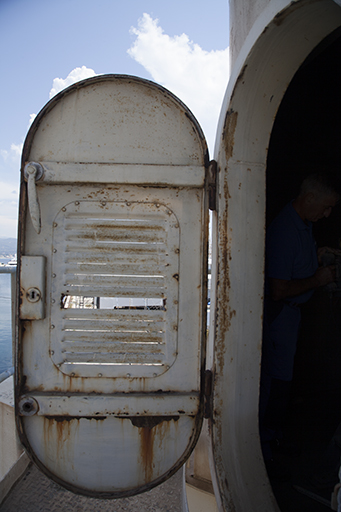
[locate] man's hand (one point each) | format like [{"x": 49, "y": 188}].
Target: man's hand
[
  {"x": 281, "y": 289},
  {"x": 323, "y": 250},
  {"x": 325, "y": 275}
]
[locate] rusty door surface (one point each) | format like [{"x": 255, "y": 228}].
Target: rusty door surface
[{"x": 112, "y": 286}]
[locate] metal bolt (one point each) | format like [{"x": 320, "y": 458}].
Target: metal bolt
[
  {"x": 128, "y": 375},
  {"x": 103, "y": 203},
  {"x": 177, "y": 251},
  {"x": 55, "y": 224},
  {"x": 77, "y": 203},
  {"x": 28, "y": 406},
  {"x": 53, "y": 275},
  {"x": 64, "y": 209},
  {"x": 100, "y": 375},
  {"x": 52, "y": 352},
  {"x": 128, "y": 204},
  {"x": 52, "y": 326},
  {"x": 73, "y": 374},
  {"x": 54, "y": 250}
]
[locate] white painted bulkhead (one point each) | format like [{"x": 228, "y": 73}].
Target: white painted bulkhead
[{"x": 277, "y": 38}]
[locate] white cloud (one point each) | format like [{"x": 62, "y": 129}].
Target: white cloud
[
  {"x": 197, "y": 77},
  {"x": 9, "y": 191},
  {"x": 74, "y": 76},
  {"x": 10, "y": 161},
  {"x": 12, "y": 156},
  {"x": 32, "y": 118}
]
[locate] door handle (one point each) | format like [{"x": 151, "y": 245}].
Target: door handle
[{"x": 33, "y": 172}]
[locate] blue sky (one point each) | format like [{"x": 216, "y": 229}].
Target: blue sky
[{"x": 46, "y": 45}]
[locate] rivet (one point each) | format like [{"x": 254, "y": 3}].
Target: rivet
[
  {"x": 103, "y": 203},
  {"x": 64, "y": 209},
  {"x": 53, "y": 275},
  {"x": 73, "y": 374},
  {"x": 167, "y": 367},
  {"x": 52, "y": 326},
  {"x": 58, "y": 365},
  {"x": 176, "y": 225},
  {"x": 157, "y": 205},
  {"x": 175, "y": 327},
  {"x": 54, "y": 250},
  {"x": 177, "y": 251},
  {"x": 52, "y": 352},
  {"x": 53, "y": 301},
  {"x": 55, "y": 224},
  {"x": 128, "y": 204},
  {"x": 128, "y": 375},
  {"x": 77, "y": 203},
  {"x": 154, "y": 374},
  {"x": 176, "y": 302}
]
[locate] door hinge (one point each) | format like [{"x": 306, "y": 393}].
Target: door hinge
[
  {"x": 208, "y": 381},
  {"x": 212, "y": 184}
]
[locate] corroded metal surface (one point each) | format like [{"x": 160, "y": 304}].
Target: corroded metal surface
[{"x": 108, "y": 387}]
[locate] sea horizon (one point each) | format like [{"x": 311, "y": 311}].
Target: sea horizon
[{"x": 6, "y": 361}]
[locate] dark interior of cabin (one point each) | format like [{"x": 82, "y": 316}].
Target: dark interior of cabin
[{"x": 306, "y": 138}]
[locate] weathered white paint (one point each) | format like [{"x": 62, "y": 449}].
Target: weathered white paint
[
  {"x": 109, "y": 400},
  {"x": 272, "y": 39},
  {"x": 277, "y": 37}
]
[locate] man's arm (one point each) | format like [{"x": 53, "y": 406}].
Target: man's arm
[{"x": 281, "y": 289}]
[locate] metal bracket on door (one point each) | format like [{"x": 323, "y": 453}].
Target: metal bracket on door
[{"x": 33, "y": 172}]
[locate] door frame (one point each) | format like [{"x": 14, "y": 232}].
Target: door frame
[{"x": 277, "y": 45}]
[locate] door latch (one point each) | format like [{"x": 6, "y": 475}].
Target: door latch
[
  {"x": 32, "y": 288},
  {"x": 33, "y": 172}
]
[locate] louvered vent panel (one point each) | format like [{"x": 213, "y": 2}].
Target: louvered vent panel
[{"x": 114, "y": 301}]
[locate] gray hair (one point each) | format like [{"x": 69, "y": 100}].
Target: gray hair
[{"x": 319, "y": 184}]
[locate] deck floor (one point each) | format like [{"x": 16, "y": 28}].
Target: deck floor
[{"x": 34, "y": 492}]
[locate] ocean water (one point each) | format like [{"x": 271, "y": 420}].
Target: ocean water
[{"x": 5, "y": 323}]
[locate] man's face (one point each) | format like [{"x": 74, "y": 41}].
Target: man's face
[{"x": 321, "y": 206}]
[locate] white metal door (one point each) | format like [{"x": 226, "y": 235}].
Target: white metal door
[{"x": 113, "y": 241}]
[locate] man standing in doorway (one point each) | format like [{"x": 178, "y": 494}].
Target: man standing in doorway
[{"x": 292, "y": 274}]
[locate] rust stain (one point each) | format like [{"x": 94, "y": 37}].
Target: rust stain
[
  {"x": 281, "y": 16},
  {"x": 224, "y": 241},
  {"x": 153, "y": 430},
  {"x": 147, "y": 451},
  {"x": 229, "y": 131}
]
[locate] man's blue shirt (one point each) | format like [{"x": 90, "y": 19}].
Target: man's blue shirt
[{"x": 291, "y": 249}]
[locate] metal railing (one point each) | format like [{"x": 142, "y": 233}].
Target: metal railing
[{"x": 13, "y": 271}]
